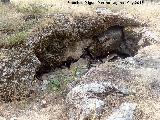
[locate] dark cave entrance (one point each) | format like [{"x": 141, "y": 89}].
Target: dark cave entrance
[{"x": 125, "y": 43}]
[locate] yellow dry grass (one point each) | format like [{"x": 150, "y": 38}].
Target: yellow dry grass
[{"x": 148, "y": 12}]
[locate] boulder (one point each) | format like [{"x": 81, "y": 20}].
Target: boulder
[
  {"x": 134, "y": 79},
  {"x": 85, "y": 101},
  {"x": 125, "y": 112},
  {"x": 18, "y": 68}
]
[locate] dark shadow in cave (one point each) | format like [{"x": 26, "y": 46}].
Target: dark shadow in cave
[{"x": 127, "y": 48}]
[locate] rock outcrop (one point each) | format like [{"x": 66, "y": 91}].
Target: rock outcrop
[
  {"x": 18, "y": 69},
  {"x": 66, "y": 37},
  {"x": 133, "y": 79},
  {"x": 125, "y": 112},
  {"x": 85, "y": 101},
  {"x": 62, "y": 40}
]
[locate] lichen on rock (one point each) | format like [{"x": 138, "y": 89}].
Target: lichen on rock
[
  {"x": 62, "y": 40},
  {"x": 18, "y": 68}
]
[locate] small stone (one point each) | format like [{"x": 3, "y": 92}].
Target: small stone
[{"x": 43, "y": 104}]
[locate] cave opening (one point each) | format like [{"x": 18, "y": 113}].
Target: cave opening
[{"x": 112, "y": 44}]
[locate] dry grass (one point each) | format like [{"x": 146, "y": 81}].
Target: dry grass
[
  {"x": 11, "y": 19},
  {"x": 148, "y": 12}
]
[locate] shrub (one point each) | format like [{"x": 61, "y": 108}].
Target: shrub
[{"x": 54, "y": 84}]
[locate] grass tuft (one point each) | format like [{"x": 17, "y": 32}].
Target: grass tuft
[{"x": 16, "y": 39}]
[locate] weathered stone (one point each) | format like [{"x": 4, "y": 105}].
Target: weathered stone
[
  {"x": 65, "y": 38},
  {"x": 91, "y": 108},
  {"x": 62, "y": 40},
  {"x": 2, "y": 118},
  {"x": 87, "y": 108},
  {"x": 106, "y": 42},
  {"x": 18, "y": 68},
  {"x": 124, "y": 74},
  {"x": 125, "y": 112},
  {"x": 81, "y": 99}
]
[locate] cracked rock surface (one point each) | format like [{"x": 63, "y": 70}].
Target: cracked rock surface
[
  {"x": 17, "y": 73},
  {"x": 124, "y": 112},
  {"x": 86, "y": 100}
]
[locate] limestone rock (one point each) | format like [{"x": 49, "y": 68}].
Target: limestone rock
[
  {"x": 18, "y": 68},
  {"x": 65, "y": 37},
  {"x": 125, "y": 112},
  {"x": 60, "y": 41},
  {"x": 84, "y": 100}
]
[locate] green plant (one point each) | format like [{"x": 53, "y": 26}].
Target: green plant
[
  {"x": 16, "y": 38},
  {"x": 79, "y": 71},
  {"x": 12, "y": 26},
  {"x": 61, "y": 80},
  {"x": 54, "y": 84},
  {"x": 15, "y": 31},
  {"x": 74, "y": 73}
]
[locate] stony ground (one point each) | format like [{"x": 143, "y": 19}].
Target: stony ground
[{"x": 135, "y": 78}]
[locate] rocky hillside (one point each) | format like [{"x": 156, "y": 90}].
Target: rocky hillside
[{"x": 99, "y": 62}]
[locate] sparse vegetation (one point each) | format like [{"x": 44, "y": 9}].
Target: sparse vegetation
[
  {"x": 22, "y": 16},
  {"x": 16, "y": 38},
  {"x": 62, "y": 79},
  {"x": 17, "y": 20},
  {"x": 14, "y": 28},
  {"x": 31, "y": 9},
  {"x": 15, "y": 32},
  {"x": 54, "y": 84}
]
